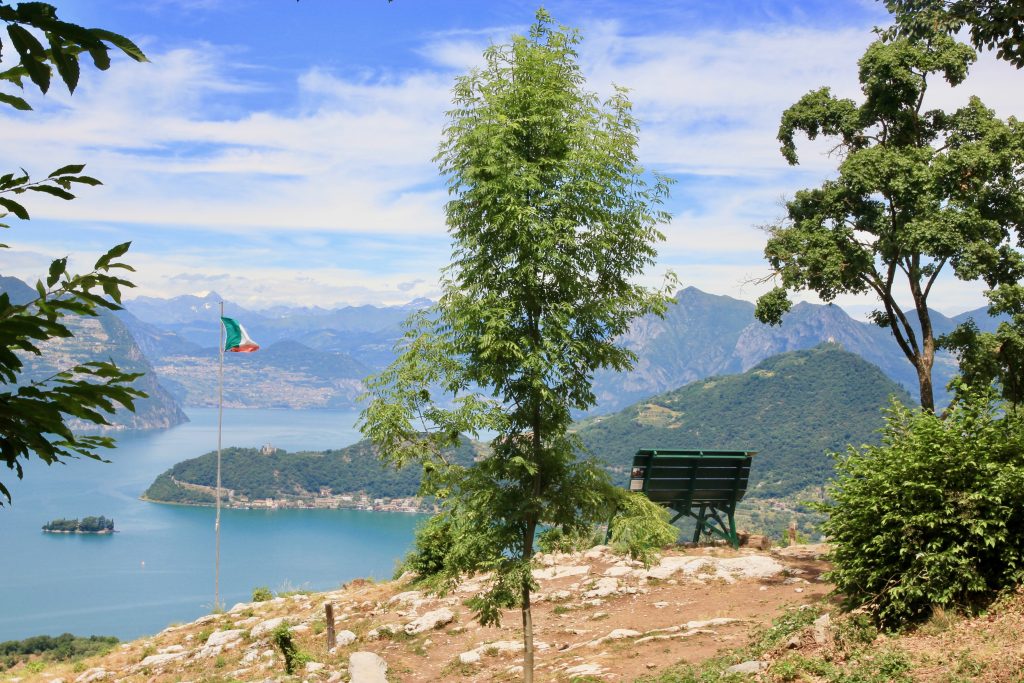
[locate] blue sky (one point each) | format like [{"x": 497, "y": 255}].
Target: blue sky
[{"x": 280, "y": 152}]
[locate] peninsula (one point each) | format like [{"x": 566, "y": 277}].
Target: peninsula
[{"x": 272, "y": 478}]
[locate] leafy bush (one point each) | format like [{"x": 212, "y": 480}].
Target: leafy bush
[
  {"x": 262, "y": 594},
  {"x": 54, "y": 648},
  {"x": 641, "y": 528},
  {"x": 293, "y": 657},
  {"x": 433, "y": 541},
  {"x": 932, "y": 517},
  {"x": 559, "y": 540}
]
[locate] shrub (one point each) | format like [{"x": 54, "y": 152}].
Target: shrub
[
  {"x": 641, "y": 528},
  {"x": 282, "y": 637},
  {"x": 934, "y": 516},
  {"x": 262, "y": 594},
  {"x": 434, "y": 539},
  {"x": 560, "y": 540}
]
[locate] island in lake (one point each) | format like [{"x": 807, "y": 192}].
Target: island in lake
[{"x": 86, "y": 525}]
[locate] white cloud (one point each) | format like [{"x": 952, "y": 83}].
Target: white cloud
[{"x": 200, "y": 144}]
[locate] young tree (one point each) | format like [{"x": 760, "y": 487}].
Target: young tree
[
  {"x": 552, "y": 220},
  {"x": 33, "y": 414},
  {"x": 918, "y": 193}
]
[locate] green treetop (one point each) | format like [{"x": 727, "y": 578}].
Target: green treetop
[
  {"x": 552, "y": 220},
  {"x": 918, "y": 193}
]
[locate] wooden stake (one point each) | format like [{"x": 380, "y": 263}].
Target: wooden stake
[{"x": 331, "y": 637}]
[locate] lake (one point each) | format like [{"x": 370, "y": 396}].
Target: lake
[{"x": 158, "y": 568}]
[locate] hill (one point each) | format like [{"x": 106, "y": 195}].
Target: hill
[
  {"x": 303, "y": 477},
  {"x": 104, "y": 337},
  {"x": 792, "y": 408},
  {"x": 705, "y": 614},
  {"x": 703, "y": 335}
]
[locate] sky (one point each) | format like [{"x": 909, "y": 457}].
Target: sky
[{"x": 280, "y": 152}]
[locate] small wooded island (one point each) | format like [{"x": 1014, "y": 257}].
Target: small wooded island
[{"x": 87, "y": 525}]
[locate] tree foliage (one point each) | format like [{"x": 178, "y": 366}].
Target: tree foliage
[
  {"x": 934, "y": 516},
  {"x": 919, "y": 193},
  {"x": 33, "y": 415},
  {"x": 995, "y": 24},
  {"x": 552, "y": 220}
]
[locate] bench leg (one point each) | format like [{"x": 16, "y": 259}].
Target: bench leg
[{"x": 700, "y": 524}]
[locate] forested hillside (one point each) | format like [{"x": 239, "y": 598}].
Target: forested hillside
[
  {"x": 254, "y": 474},
  {"x": 791, "y": 409}
]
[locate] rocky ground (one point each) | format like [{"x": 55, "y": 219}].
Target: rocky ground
[{"x": 596, "y": 614}]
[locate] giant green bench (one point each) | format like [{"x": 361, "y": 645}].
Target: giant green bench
[{"x": 702, "y": 484}]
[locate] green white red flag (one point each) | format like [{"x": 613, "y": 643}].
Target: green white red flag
[{"x": 236, "y": 338}]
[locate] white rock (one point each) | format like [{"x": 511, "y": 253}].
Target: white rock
[
  {"x": 265, "y": 627},
  {"x": 596, "y": 552},
  {"x": 585, "y": 670},
  {"x": 224, "y": 637},
  {"x": 471, "y": 657},
  {"x": 345, "y": 638},
  {"x": 429, "y": 621},
  {"x": 752, "y": 566},
  {"x": 560, "y": 571},
  {"x": 406, "y": 598},
  {"x": 560, "y": 595},
  {"x": 251, "y": 656},
  {"x": 205, "y": 619},
  {"x": 660, "y": 605},
  {"x": 367, "y": 667},
  {"x": 158, "y": 660},
  {"x": 171, "y": 648},
  {"x": 604, "y": 587},
  {"x": 705, "y": 623},
  {"x": 313, "y": 667},
  {"x": 618, "y": 571},
  {"x": 620, "y": 633},
  {"x": 751, "y": 667},
  {"x": 238, "y": 607},
  {"x": 821, "y": 627}
]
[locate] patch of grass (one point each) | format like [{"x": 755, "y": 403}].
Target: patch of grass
[
  {"x": 319, "y": 626},
  {"x": 262, "y": 594},
  {"x": 457, "y": 667},
  {"x": 204, "y": 635},
  {"x": 561, "y": 609}
]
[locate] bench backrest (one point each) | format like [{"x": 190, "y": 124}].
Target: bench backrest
[{"x": 680, "y": 478}]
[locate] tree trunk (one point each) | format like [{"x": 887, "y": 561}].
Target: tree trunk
[
  {"x": 924, "y": 381},
  {"x": 527, "y": 637}
]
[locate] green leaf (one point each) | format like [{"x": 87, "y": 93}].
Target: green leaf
[
  {"x": 67, "y": 64},
  {"x": 70, "y": 169},
  {"x": 14, "y": 207},
  {"x": 14, "y": 101},
  {"x": 50, "y": 189},
  {"x": 57, "y": 268},
  {"x": 32, "y": 55},
  {"x": 124, "y": 44}
]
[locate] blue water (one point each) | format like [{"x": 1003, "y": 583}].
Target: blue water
[{"x": 158, "y": 568}]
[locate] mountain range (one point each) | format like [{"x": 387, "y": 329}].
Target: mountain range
[
  {"x": 700, "y": 336},
  {"x": 317, "y": 358},
  {"x": 101, "y": 337}
]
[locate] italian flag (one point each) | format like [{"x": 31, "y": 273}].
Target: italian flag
[{"x": 236, "y": 338}]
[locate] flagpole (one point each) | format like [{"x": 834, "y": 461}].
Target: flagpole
[{"x": 220, "y": 423}]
